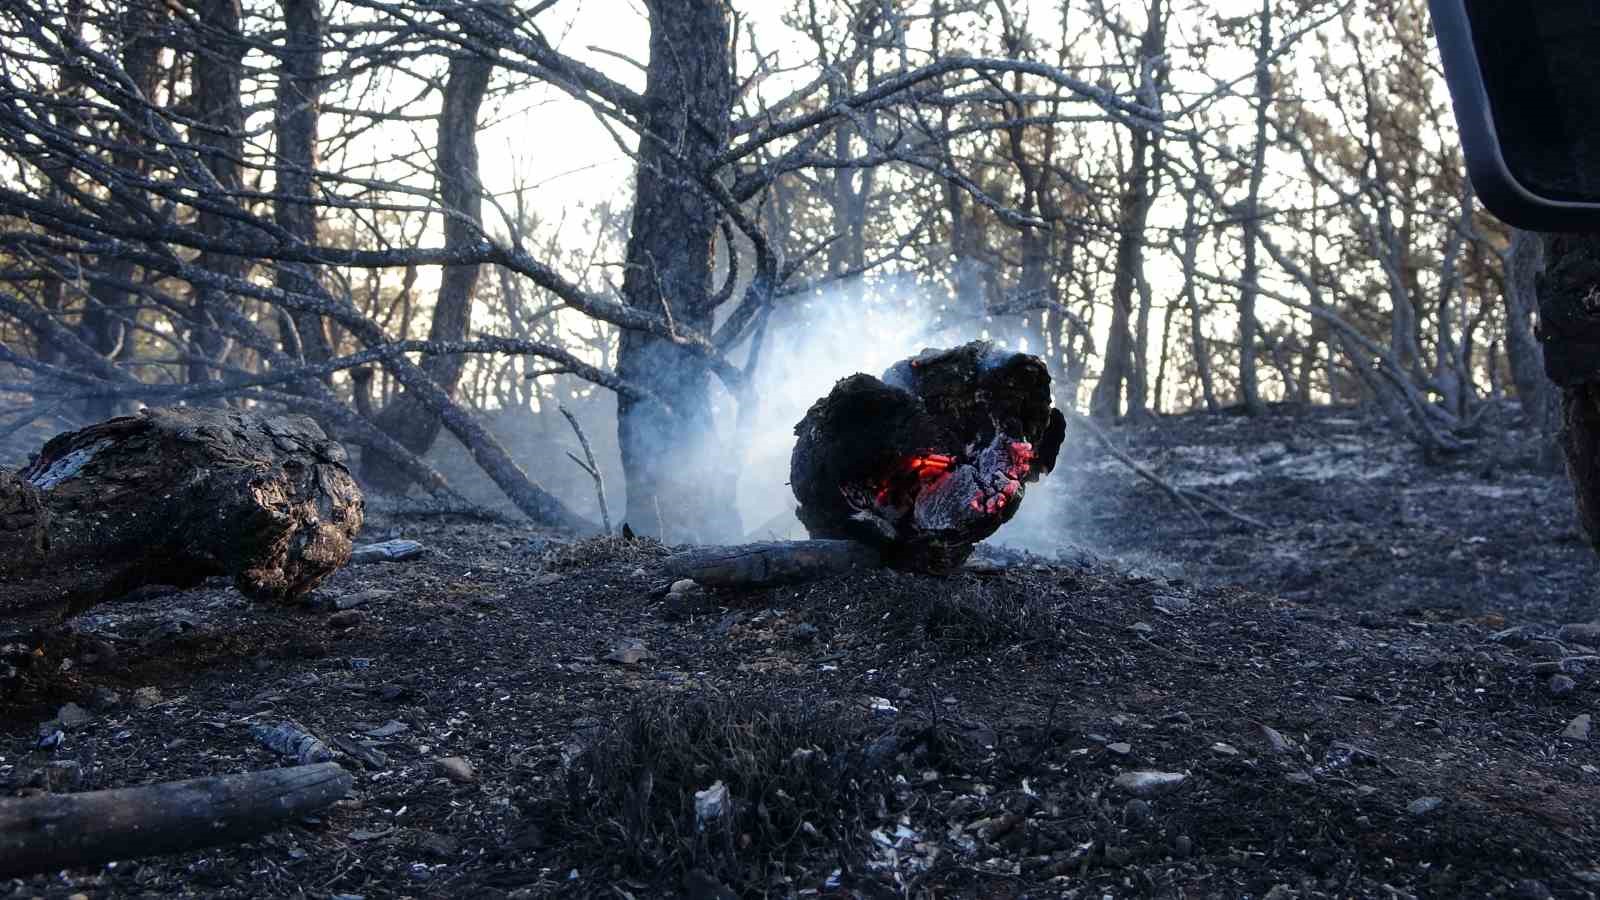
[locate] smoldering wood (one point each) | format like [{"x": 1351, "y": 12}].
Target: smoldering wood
[
  {"x": 931, "y": 458},
  {"x": 767, "y": 563},
  {"x": 57, "y": 831},
  {"x": 173, "y": 496}
]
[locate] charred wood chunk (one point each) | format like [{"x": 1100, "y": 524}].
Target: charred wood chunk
[
  {"x": 172, "y": 496},
  {"x": 929, "y": 459}
]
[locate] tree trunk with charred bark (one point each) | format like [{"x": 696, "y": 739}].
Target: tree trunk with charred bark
[
  {"x": 1249, "y": 386},
  {"x": 1124, "y": 358},
  {"x": 173, "y": 496},
  {"x": 1569, "y": 327},
  {"x": 679, "y": 483},
  {"x": 217, "y": 74},
  {"x": 298, "y": 104},
  {"x": 408, "y": 420},
  {"x": 140, "y": 24}
]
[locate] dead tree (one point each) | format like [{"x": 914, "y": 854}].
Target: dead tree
[
  {"x": 173, "y": 496},
  {"x": 408, "y": 419}
]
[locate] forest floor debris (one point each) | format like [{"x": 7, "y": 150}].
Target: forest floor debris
[{"x": 878, "y": 733}]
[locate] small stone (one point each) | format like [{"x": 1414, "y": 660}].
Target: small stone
[
  {"x": 1183, "y": 846},
  {"x": 74, "y": 716},
  {"x": 438, "y": 846},
  {"x": 1280, "y": 892},
  {"x": 1532, "y": 889},
  {"x": 628, "y": 652},
  {"x": 548, "y": 578},
  {"x": 711, "y": 805},
  {"x": 1578, "y": 728},
  {"x": 1300, "y": 779},
  {"x": 388, "y": 729},
  {"x": 348, "y": 618},
  {"x": 1120, "y": 748},
  {"x": 456, "y": 769},
  {"x": 1150, "y": 784},
  {"x": 146, "y": 697},
  {"x": 1224, "y": 749},
  {"x": 1142, "y": 628},
  {"x": 104, "y": 698},
  {"x": 1172, "y": 605},
  {"x": 683, "y": 586},
  {"x": 1136, "y": 813},
  {"x": 1561, "y": 685},
  {"x": 1275, "y": 740},
  {"x": 1423, "y": 806}
]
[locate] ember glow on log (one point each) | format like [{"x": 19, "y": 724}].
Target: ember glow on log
[{"x": 929, "y": 459}]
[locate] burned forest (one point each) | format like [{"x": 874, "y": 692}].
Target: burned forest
[{"x": 807, "y": 448}]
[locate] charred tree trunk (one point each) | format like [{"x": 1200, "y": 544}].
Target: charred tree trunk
[
  {"x": 218, "y": 71},
  {"x": 172, "y": 496},
  {"x": 1123, "y": 358},
  {"x": 1249, "y": 388},
  {"x": 298, "y": 104},
  {"x": 108, "y": 299},
  {"x": 674, "y": 484},
  {"x": 407, "y": 419},
  {"x": 1569, "y": 327}
]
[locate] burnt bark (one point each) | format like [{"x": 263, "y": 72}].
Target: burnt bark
[
  {"x": 1569, "y": 329},
  {"x": 173, "y": 496},
  {"x": 408, "y": 419},
  {"x": 676, "y": 484}
]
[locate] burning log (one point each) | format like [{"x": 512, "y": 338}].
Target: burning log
[
  {"x": 172, "y": 496},
  {"x": 929, "y": 459}
]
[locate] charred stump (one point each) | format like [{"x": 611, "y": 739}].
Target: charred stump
[
  {"x": 929, "y": 459},
  {"x": 172, "y": 496}
]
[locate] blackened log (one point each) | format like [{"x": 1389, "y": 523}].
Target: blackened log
[
  {"x": 771, "y": 562},
  {"x": 172, "y": 496},
  {"x": 56, "y": 831}
]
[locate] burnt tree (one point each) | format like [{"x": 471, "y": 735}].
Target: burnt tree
[
  {"x": 297, "y": 106},
  {"x": 173, "y": 496},
  {"x": 408, "y": 419},
  {"x": 688, "y": 104}
]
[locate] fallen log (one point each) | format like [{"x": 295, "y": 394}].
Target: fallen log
[
  {"x": 173, "y": 496},
  {"x": 57, "y": 831},
  {"x": 771, "y": 562}
]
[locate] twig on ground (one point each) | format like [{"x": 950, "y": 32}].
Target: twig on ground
[
  {"x": 1180, "y": 494},
  {"x": 592, "y": 467}
]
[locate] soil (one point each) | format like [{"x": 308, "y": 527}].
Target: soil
[{"x": 1366, "y": 699}]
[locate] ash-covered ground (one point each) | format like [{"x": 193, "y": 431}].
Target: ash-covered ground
[{"x": 1373, "y": 697}]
